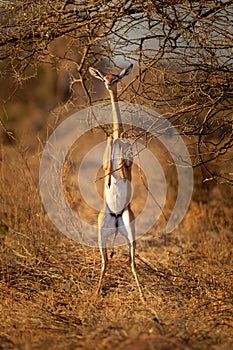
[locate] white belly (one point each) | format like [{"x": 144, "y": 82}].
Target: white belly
[{"x": 118, "y": 194}]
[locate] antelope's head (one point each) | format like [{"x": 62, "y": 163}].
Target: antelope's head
[{"x": 110, "y": 80}]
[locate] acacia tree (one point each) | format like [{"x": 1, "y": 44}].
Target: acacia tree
[{"x": 182, "y": 51}]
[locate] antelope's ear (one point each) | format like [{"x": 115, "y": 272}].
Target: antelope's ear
[
  {"x": 96, "y": 73},
  {"x": 125, "y": 71}
]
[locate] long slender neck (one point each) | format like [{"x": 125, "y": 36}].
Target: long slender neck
[{"x": 117, "y": 122}]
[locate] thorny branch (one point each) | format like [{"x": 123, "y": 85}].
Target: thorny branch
[{"x": 182, "y": 51}]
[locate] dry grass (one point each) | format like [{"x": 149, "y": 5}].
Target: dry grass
[{"x": 48, "y": 282}]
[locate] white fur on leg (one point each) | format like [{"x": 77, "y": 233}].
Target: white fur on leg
[{"x": 126, "y": 227}]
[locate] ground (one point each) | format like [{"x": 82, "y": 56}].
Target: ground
[{"x": 48, "y": 282}]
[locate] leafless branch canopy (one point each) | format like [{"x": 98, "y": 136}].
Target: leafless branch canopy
[{"x": 182, "y": 51}]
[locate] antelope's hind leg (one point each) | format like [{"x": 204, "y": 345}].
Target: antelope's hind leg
[
  {"x": 126, "y": 227},
  {"x": 106, "y": 226}
]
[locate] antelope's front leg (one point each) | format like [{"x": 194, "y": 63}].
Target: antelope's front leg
[
  {"x": 107, "y": 154},
  {"x": 127, "y": 154}
]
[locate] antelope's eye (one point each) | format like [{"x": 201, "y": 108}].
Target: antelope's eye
[
  {"x": 109, "y": 80},
  {"x": 115, "y": 80}
]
